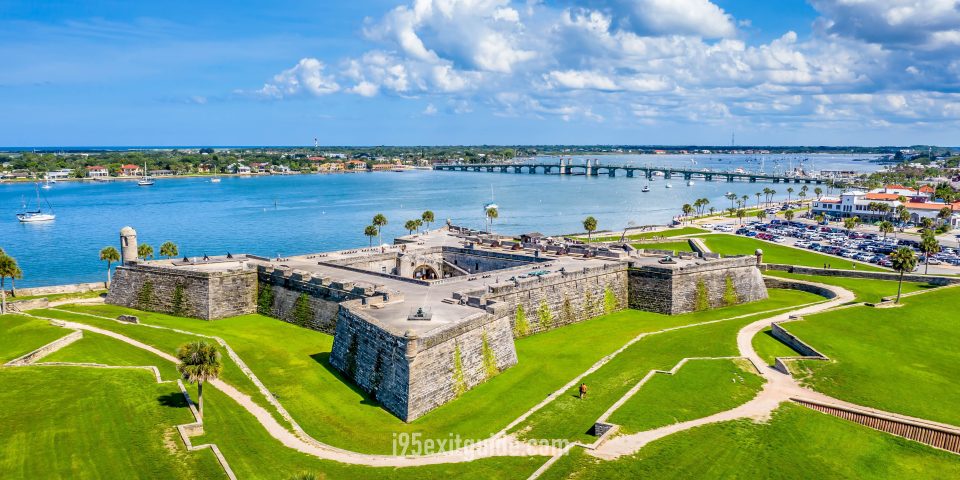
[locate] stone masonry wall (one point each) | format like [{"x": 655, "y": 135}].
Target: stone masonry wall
[
  {"x": 373, "y": 358},
  {"x": 205, "y": 295},
  {"x": 568, "y": 297},
  {"x": 322, "y": 296},
  {"x": 673, "y": 289},
  {"x": 410, "y": 376},
  {"x": 434, "y": 378}
]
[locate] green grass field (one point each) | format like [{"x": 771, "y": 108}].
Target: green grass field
[
  {"x": 866, "y": 290},
  {"x": 569, "y": 417},
  {"x": 773, "y": 253},
  {"x": 61, "y": 296},
  {"x": 96, "y": 348},
  {"x": 681, "y": 246},
  {"x": 898, "y": 359},
  {"x": 769, "y": 348},
  {"x": 71, "y": 422},
  {"x": 22, "y": 335},
  {"x": 699, "y": 389},
  {"x": 670, "y": 232},
  {"x": 293, "y": 365},
  {"x": 795, "y": 443}
]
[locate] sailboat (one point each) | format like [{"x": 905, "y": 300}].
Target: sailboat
[
  {"x": 46, "y": 185},
  {"x": 38, "y": 215},
  {"x": 145, "y": 181},
  {"x": 492, "y": 204}
]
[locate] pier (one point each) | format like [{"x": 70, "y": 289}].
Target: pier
[{"x": 591, "y": 169}]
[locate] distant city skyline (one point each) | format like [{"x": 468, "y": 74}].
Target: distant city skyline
[{"x": 450, "y": 72}]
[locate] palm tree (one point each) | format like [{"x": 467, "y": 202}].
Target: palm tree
[
  {"x": 712, "y": 210},
  {"x": 144, "y": 251},
  {"x": 929, "y": 246},
  {"x": 687, "y": 209},
  {"x": 410, "y": 226},
  {"x": 371, "y": 231},
  {"x": 427, "y": 218},
  {"x": 589, "y": 224},
  {"x": 199, "y": 362},
  {"x": 944, "y": 215},
  {"x": 492, "y": 215},
  {"x": 703, "y": 203},
  {"x": 758, "y": 194},
  {"x": 926, "y": 223},
  {"x": 109, "y": 255},
  {"x": 379, "y": 221},
  {"x": 744, "y": 200},
  {"x": 788, "y": 215},
  {"x": 740, "y": 214},
  {"x": 802, "y": 194},
  {"x": 419, "y": 223},
  {"x": 761, "y": 215},
  {"x": 169, "y": 249},
  {"x": 8, "y": 269},
  {"x": 789, "y": 192},
  {"x": 772, "y": 193},
  {"x": 732, "y": 197},
  {"x": 885, "y": 228},
  {"x": 820, "y": 218},
  {"x": 903, "y": 261},
  {"x": 818, "y": 192}
]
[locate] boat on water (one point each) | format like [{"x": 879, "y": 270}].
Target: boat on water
[
  {"x": 38, "y": 215},
  {"x": 215, "y": 180},
  {"x": 669, "y": 186},
  {"x": 646, "y": 188},
  {"x": 145, "y": 181},
  {"x": 46, "y": 185},
  {"x": 689, "y": 183}
]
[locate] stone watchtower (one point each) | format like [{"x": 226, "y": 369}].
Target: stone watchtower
[{"x": 128, "y": 245}]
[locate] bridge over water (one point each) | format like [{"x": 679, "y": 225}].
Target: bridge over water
[{"x": 592, "y": 170}]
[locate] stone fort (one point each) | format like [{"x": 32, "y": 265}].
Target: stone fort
[{"x": 420, "y": 322}]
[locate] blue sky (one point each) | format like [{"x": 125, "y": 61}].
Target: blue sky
[{"x": 479, "y": 71}]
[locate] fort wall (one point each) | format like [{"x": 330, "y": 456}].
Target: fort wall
[{"x": 708, "y": 283}]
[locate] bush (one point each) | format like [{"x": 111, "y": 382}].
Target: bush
[
  {"x": 566, "y": 311},
  {"x": 610, "y": 302},
  {"x": 302, "y": 312},
  {"x": 588, "y": 307},
  {"x": 520, "y": 325},
  {"x": 546, "y": 317},
  {"x": 177, "y": 301},
  {"x": 145, "y": 296},
  {"x": 702, "y": 297},
  {"x": 265, "y": 300},
  {"x": 730, "y": 296}
]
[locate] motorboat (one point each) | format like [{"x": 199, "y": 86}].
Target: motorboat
[
  {"x": 215, "y": 180},
  {"x": 646, "y": 188},
  {"x": 690, "y": 183},
  {"x": 669, "y": 186}
]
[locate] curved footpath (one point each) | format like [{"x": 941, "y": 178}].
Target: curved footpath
[{"x": 777, "y": 389}]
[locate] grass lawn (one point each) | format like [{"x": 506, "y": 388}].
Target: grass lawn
[
  {"x": 164, "y": 340},
  {"x": 902, "y": 360},
  {"x": 796, "y": 443},
  {"x": 774, "y": 253},
  {"x": 22, "y": 335},
  {"x": 682, "y": 246},
  {"x": 569, "y": 417},
  {"x": 70, "y": 422},
  {"x": 866, "y": 290},
  {"x": 61, "y": 296},
  {"x": 699, "y": 389},
  {"x": 253, "y": 453},
  {"x": 769, "y": 348},
  {"x": 96, "y": 348},
  {"x": 293, "y": 363},
  {"x": 670, "y": 232}
]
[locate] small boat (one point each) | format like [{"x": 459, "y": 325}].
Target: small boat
[
  {"x": 689, "y": 183},
  {"x": 646, "y": 188},
  {"x": 669, "y": 186},
  {"x": 46, "y": 185},
  {"x": 145, "y": 181},
  {"x": 215, "y": 180},
  {"x": 38, "y": 215}
]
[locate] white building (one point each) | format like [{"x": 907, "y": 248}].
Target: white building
[
  {"x": 239, "y": 169},
  {"x": 919, "y": 203},
  {"x": 59, "y": 174}
]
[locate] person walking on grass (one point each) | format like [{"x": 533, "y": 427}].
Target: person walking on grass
[{"x": 583, "y": 391}]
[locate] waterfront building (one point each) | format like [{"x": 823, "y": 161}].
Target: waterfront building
[
  {"x": 130, "y": 171},
  {"x": 97, "y": 171},
  {"x": 920, "y": 203}
]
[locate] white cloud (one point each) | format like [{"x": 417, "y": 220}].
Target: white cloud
[
  {"x": 307, "y": 76},
  {"x": 677, "y": 61}
]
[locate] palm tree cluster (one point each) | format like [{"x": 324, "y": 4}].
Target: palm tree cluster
[
  {"x": 376, "y": 225},
  {"x": 413, "y": 225},
  {"x": 8, "y": 269}
]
